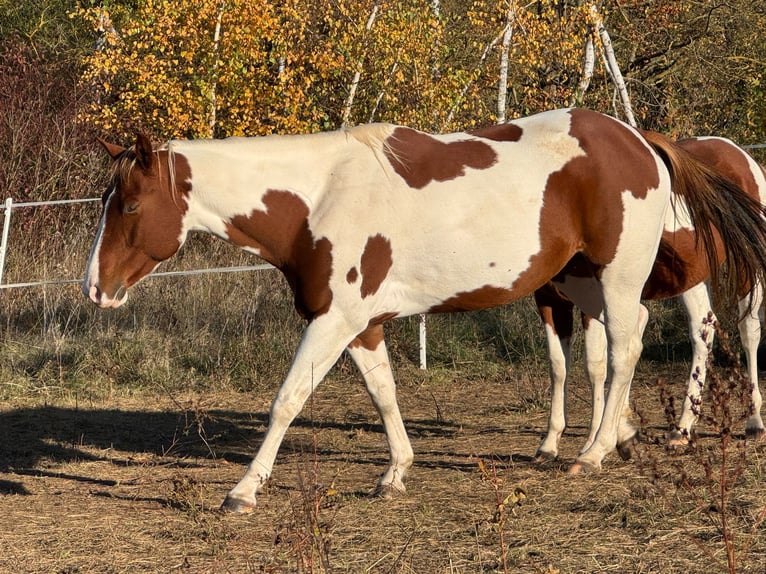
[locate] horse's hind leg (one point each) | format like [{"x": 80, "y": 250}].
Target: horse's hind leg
[
  {"x": 750, "y": 334},
  {"x": 596, "y": 371},
  {"x": 701, "y": 332},
  {"x": 624, "y": 327},
  {"x": 369, "y": 353},
  {"x": 556, "y": 313}
]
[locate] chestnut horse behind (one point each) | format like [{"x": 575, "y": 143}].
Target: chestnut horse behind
[
  {"x": 681, "y": 269},
  {"x": 379, "y": 221}
]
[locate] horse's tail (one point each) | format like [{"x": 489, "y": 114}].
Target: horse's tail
[{"x": 718, "y": 206}]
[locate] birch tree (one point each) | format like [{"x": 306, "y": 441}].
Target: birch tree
[
  {"x": 588, "y": 65},
  {"x": 610, "y": 62},
  {"x": 358, "y": 69},
  {"x": 214, "y": 79},
  {"x": 502, "y": 84}
]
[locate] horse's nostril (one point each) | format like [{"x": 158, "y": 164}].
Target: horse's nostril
[{"x": 95, "y": 294}]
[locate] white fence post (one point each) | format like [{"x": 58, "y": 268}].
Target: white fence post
[{"x": 6, "y": 229}]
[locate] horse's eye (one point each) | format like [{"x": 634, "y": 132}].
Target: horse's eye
[{"x": 130, "y": 208}]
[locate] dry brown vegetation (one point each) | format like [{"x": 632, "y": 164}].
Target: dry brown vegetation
[
  {"x": 123, "y": 430},
  {"x": 119, "y": 449}
]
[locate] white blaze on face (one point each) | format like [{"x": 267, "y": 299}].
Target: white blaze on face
[{"x": 90, "y": 283}]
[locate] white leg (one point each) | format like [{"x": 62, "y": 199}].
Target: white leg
[
  {"x": 595, "y": 371},
  {"x": 369, "y": 353},
  {"x": 556, "y": 312},
  {"x": 626, "y": 432},
  {"x": 559, "y": 351},
  {"x": 322, "y": 343},
  {"x": 750, "y": 334},
  {"x": 625, "y": 319},
  {"x": 701, "y": 332}
]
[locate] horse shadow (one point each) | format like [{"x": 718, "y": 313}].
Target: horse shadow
[{"x": 37, "y": 440}]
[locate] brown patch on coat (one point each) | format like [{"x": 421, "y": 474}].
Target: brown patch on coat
[
  {"x": 420, "y": 158},
  {"x": 727, "y": 158},
  {"x": 481, "y": 298},
  {"x": 143, "y": 221},
  {"x": 282, "y": 235},
  {"x": 555, "y": 310},
  {"x": 581, "y": 219},
  {"x": 376, "y": 261},
  {"x": 352, "y": 275},
  {"x": 680, "y": 265},
  {"x": 508, "y": 132},
  {"x": 582, "y": 205},
  {"x": 369, "y": 339}
]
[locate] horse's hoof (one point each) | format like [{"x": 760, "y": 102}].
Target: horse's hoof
[
  {"x": 627, "y": 448},
  {"x": 755, "y": 434},
  {"x": 544, "y": 456},
  {"x": 581, "y": 467},
  {"x": 386, "y": 491},
  {"x": 678, "y": 438},
  {"x": 237, "y": 505}
]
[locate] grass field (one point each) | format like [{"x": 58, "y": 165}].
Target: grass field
[
  {"x": 123, "y": 430},
  {"x": 131, "y": 484}
]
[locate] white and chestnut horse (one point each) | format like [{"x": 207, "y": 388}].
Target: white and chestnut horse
[
  {"x": 681, "y": 269},
  {"x": 379, "y": 221}
]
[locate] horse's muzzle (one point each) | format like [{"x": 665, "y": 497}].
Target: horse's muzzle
[{"x": 100, "y": 298}]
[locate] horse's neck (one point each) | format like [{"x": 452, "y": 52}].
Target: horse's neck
[
  {"x": 230, "y": 178},
  {"x": 260, "y": 193}
]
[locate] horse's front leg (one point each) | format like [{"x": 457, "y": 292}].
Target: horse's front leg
[
  {"x": 321, "y": 345},
  {"x": 368, "y": 350}
]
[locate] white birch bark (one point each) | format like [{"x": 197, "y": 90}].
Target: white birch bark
[
  {"x": 612, "y": 66},
  {"x": 214, "y": 73},
  {"x": 437, "y": 12},
  {"x": 502, "y": 84},
  {"x": 467, "y": 85},
  {"x": 589, "y": 61},
  {"x": 382, "y": 92},
  {"x": 358, "y": 72}
]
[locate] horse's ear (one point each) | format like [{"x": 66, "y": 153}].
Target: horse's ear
[
  {"x": 113, "y": 150},
  {"x": 144, "y": 153}
]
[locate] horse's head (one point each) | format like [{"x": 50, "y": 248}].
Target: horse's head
[{"x": 141, "y": 220}]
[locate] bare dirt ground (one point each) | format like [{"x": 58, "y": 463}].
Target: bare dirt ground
[{"x": 133, "y": 484}]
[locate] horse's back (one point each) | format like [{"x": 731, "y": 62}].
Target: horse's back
[{"x": 472, "y": 220}]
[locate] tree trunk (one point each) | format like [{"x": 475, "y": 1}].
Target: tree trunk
[
  {"x": 588, "y": 64},
  {"x": 212, "y": 118},
  {"x": 502, "y": 84},
  {"x": 467, "y": 85},
  {"x": 358, "y": 72},
  {"x": 611, "y": 64}
]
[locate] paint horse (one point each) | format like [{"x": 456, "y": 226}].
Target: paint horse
[
  {"x": 681, "y": 269},
  {"x": 378, "y": 221}
]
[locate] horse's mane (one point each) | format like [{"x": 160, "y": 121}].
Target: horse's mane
[
  {"x": 125, "y": 163},
  {"x": 374, "y": 136}
]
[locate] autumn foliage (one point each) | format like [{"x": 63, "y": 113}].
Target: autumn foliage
[{"x": 203, "y": 68}]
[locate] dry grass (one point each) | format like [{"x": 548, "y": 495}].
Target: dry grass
[{"x": 131, "y": 485}]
